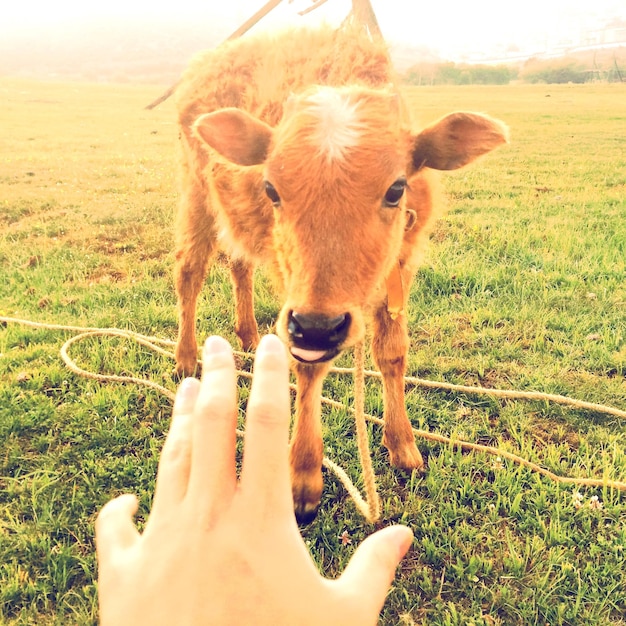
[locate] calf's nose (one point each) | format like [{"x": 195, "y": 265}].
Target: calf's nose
[{"x": 317, "y": 332}]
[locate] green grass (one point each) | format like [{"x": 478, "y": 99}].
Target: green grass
[{"x": 523, "y": 288}]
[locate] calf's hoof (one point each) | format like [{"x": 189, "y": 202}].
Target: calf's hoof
[
  {"x": 249, "y": 340},
  {"x": 406, "y": 457},
  {"x": 305, "y": 512},
  {"x": 186, "y": 368},
  {"x": 307, "y": 493}
]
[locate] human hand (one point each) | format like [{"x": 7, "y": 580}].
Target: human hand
[{"x": 217, "y": 550}]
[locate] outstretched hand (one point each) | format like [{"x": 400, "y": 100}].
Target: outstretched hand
[{"x": 217, "y": 550}]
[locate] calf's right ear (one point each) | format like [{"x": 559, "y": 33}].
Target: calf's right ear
[{"x": 236, "y": 135}]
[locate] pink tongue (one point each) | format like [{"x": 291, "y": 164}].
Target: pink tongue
[{"x": 308, "y": 355}]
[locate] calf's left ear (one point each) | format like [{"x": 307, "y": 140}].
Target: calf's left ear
[
  {"x": 236, "y": 135},
  {"x": 456, "y": 140}
]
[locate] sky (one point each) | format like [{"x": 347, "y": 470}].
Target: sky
[{"x": 442, "y": 26}]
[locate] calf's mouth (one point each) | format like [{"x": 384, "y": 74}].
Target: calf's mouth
[
  {"x": 315, "y": 338},
  {"x": 312, "y": 356}
]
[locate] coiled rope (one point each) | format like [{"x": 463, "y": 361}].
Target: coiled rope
[{"x": 370, "y": 505}]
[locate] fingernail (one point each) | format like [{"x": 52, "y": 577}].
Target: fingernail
[
  {"x": 215, "y": 345},
  {"x": 271, "y": 344},
  {"x": 186, "y": 395},
  {"x": 403, "y": 538}
]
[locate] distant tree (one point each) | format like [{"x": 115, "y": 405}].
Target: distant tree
[
  {"x": 581, "y": 67},
  {"x": 615, "y": 73},
  {"x": 555, "y": 71},
  {"x": 492, "y": 74},
  {"x": 448, "y": 74},
  {"x": 462, "y": 74}
]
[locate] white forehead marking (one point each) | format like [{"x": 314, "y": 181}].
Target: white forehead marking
[{"x": 338, "y": 126}]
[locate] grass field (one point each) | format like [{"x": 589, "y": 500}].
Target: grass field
[{"x": 523, "y": 288}]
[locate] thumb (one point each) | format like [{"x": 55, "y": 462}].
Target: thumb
[
  {"x": 371, "y": 569},
  {"x": 115, "y": 528}
]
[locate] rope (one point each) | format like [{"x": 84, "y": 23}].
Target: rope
[
  {"x": 146, "y": 341},
  {"x": 369, "y": 507},
  {"x": 500, "y": 393},
  {"x": 372, "y": 512}
]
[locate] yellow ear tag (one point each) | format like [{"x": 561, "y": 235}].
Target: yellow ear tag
[{"x": 395, "y": 293}]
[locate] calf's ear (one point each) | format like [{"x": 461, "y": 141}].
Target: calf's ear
[
  {"x": 456, "y": 140},
  {"x": 236, "y": 135}
]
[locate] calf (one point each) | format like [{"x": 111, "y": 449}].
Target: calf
[{"x": 299, "y": 152}]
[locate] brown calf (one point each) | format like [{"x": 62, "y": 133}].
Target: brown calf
[{"x": 298, "y": 152}]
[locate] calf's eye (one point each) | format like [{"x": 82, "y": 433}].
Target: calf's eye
[
  {"x": 271, "y": 192},
  {"x": 395, "y": 192}
]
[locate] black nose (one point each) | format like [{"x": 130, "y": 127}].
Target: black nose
[{"x": 318, "y": 332}]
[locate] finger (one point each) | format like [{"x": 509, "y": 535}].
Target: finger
[
  {"x": 115, "y": 529},
  {"x": 371, "y": 569},
  {"x": 213, "y": 477},
  {"x": 265, "y": 472},
  {"x": 175, "y": 462}
]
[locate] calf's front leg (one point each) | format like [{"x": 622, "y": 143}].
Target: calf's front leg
[
  {"x": 307, "y": 449},
  {"x": 390, "y": 344}
]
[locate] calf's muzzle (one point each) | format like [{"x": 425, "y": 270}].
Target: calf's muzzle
[{"x": 315, "y": 338}]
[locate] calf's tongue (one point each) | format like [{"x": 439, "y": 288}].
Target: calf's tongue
[{"x": 308, "y": 355}]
